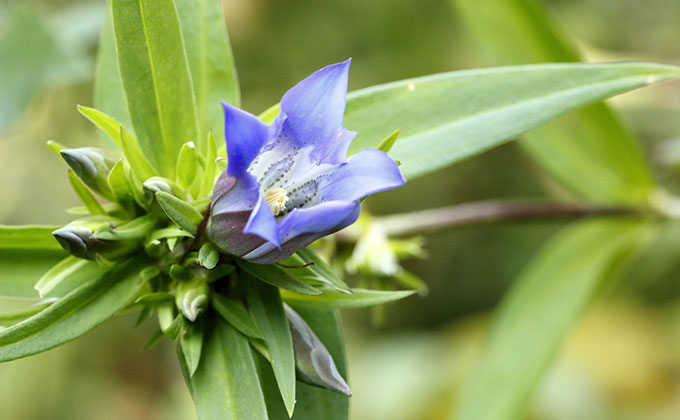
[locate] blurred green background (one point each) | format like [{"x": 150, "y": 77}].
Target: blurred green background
[{"x": 621, "y": 362}]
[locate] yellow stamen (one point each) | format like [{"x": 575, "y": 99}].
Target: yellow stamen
[{"x": 276, "y": 198}]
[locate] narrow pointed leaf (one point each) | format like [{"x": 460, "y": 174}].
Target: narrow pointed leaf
[
  {"x": 139, "y": 163},
  {"x": 211, "y": 63},
  {"x": 26, "y": 253},
  {"x": 192, "y": 345},
  {"x": 136, "y": 228},
  {"x": 359, "y": 298},
  {"x": 109, "y": 96},
  {"x": 74, "y": 314},
  {"x": 226, "y": 386},
  {"x": 187, "y": 163},
  {"x": 236, "y": 314},
  {"x": 10, "y": 316},
  {"x": 539, "y": 311},
  {"x": 265, "y": 304},
  {"x": 179, "y": 211},
  {"x": 69, "y": 274},
  {"x": 278, "y": 277},
  {"x": 444, "y": 118},
  {"x": 599, "y": 158},
  {"x": 156, "y": 78},
  {"x": 91, "y": 204}
]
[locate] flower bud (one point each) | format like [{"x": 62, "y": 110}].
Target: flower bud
[
  {"x": 313, "y": 362},
  {"x": 192, "y": 297},
  {"x": 92, "y": 165},
  {"x": 78, "y": 238}
]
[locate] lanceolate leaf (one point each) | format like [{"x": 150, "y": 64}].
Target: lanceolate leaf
[
  {"x": 156, "y": 79},
  {"x": 26, "y": 253},
  {"x": 68, "y": 274},
  {"x": 109, "y": 96},
  {"x": 270, "y": 273},
  {"x": 74, "y": 314},
  {"x": 179, "y": 211},
  {"x": 447, "y": 117},
  {"x": 211, "y": 62},
  {"x": 226, "y": 385},
  {"x": 314, "y": 270},
  {"x": 236, "y": 314},
  {"x": 337, "y": 300},
  {"x": 267, "y": 309},
  {"x": 598, "y": 157},
  {"x": 539, "y": 312}
]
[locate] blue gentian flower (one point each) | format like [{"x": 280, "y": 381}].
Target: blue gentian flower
[{"x": 290, "y": 183}]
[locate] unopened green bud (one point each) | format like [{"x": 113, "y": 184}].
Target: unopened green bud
[
  {"x": 78, "y": 238},
  {"x": 313, "y": 361},
  {"x": 156, "y": 184},
  {"x": 93, "y": 166},
  {"x": 192, "y": 297}
]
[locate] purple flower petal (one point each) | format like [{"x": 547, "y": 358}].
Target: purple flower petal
[
  {"x": 235, "y": 198},
  {"x": 367, "y": 172},
  {"x": 245, "y": 135},
  {"x": 312, "y": 113},
  {"x": 301, "y": 227}
]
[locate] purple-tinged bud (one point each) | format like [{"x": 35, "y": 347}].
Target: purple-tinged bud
[
  {"x": 78, "y": 238},
  {"x": 313, "y": 362},
  {"x": 93, "y": 166}
]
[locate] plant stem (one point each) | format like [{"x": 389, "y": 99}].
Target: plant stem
[{"x": 428, "y": 221}]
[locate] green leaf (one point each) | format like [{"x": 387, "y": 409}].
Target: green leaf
[
  {"x": 236, "y": 314},
  {"x": 387, "y": 144},
  {"x": 156, "y": 79},
  {"x": 155, "y": 299},
  {"x": 270, "y": 273},
  {"x": 318, "y": 273},
  {"x": 69, "y": 274},
  {"x": 179, "y": 211},
  {"x": 210, "y": 167},
  {"x": 447, "y": 117},
  {"x": 266, "y": 307},
  {"x": 139, "y": 164},
  {"x": 120, "y": 185},
  {"x": 211, "y": 63},
  {"x": 599, "y": 158},
  {"x": 192, "y": 344},
  {"x": 74, "y": 314},
  {"x": 226, "y": 385},
  {"x": 91, "y": 204},
  {"x": 108, "y": 86},
  {"x": 539, "y": 311},
  {"x": 105, "y": 123},
  {"x": 312, "y": 402},
  {"x": 136, "y": 228},
  {"x": 187, "y": 163},
  {"x": 333, "y": 300},
  {"x": 11, "y": 314},
  {"x": 26, "y": 253}
]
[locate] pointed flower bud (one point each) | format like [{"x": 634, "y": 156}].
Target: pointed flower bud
[
  {"x": 92, "y": 165},
  {"x": 314, "y": 363},
  {"x": 192, "y": 297},
  {"x": 78, "y": 238}
]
